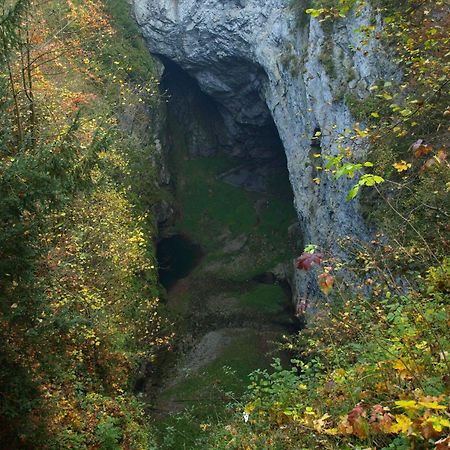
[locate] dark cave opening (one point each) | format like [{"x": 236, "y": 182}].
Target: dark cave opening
[
  {"x": 222, "y": 123},
  {"x": 177, "y": 256}
]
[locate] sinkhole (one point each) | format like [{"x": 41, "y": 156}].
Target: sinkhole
[{"x": 225, "y": 255}]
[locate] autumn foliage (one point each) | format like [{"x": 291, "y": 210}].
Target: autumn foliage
[{"x": 79, "y": 301}]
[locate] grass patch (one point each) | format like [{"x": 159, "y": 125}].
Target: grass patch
[
  {"x": 264, "y": 298},
  {"x": 212, "y": 209},
  {"x": 210, "y": 205}
]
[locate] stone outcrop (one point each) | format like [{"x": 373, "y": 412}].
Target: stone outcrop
[{"x": 258, "y": 63}]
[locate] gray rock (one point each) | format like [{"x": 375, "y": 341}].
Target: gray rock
[{"x": 255, "y": 61}]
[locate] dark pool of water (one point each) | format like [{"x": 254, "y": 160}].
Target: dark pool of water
[{"x": 177, "y": 256}]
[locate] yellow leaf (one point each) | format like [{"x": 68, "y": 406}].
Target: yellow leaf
[
  {"x": 401, "y": 166},
  {"x": 316, "y": 180},
  {"x": 402, "y": 424},
  {"x": 402, "y": 369},
  {"x": 361, "y": 133},
  {"x": 319, "y": 424},
  {"x": 249, "y": 408},
  {"x": 432, "y": 405},
  {"x": 438, "y": 423},
  {"x": 381, "y": 387},
  {"x": 408, "y": 405}
]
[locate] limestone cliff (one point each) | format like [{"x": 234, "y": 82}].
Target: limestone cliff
[{"x": 257, "y": 61}]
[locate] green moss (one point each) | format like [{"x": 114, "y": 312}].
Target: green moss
[
  {"x": 291, "y": 61},
  {"x": 362, "y": 109},
  {"x": 211, "y": 208},
  {"x": 264, "y": 299},
  {"x": 209, "y": 204}
]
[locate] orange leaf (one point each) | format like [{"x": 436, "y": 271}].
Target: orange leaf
[
  {"x": 420, "y": 148},
  {"x": 326, "y": 282}
]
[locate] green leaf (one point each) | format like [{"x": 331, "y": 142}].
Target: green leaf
[
  {"x": 314, "y": 12},
  {"x": 378, "y": 179},
  {"x": 353, "y": 192}
]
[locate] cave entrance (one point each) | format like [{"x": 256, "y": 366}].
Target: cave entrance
[
  {"x": 237, "y": 123},
  {"x": 177, "y": 256},
  {"x": 208, "y": 127}
]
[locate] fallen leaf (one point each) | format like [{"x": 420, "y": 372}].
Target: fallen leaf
[
  {"x": 402, "y": 424},
  {"x": 419, "y": 148}
]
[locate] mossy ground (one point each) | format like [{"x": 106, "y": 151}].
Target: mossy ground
[
  {"x": 243, "y": 234},
  {"x": 214, "y": 213}
]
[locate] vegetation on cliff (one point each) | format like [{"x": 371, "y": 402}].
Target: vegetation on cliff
[
  {"x": 78, "y": 285},
  {"x": 371, "y": 370}
]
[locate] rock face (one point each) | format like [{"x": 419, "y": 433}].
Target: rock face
[{"x": 258, "y": 63}]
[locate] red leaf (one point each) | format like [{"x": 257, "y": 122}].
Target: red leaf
[
  {"x": 380, "y": 419},
  {"x": 356, "y": 418},
  {"x": 306, "y": 260}
]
